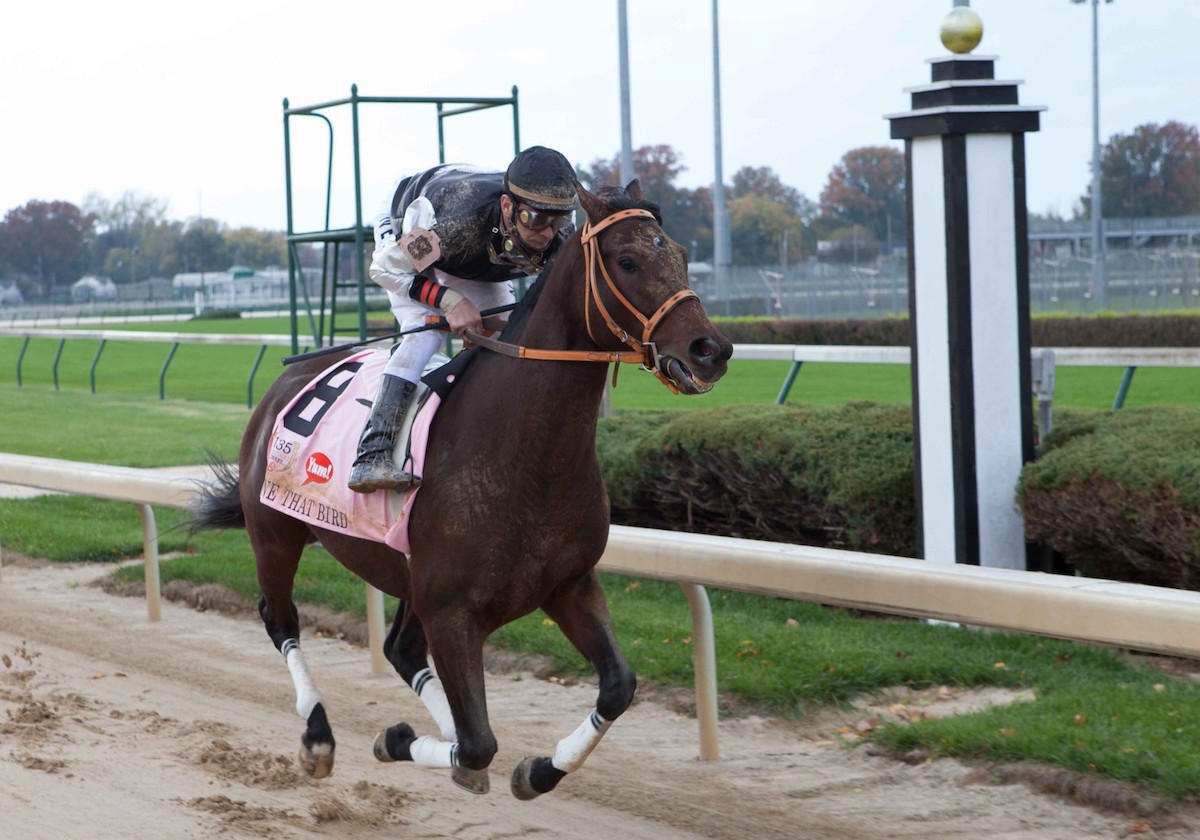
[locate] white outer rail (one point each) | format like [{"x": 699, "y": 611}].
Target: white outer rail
[
  {"x": 142, "y": 488},
  {"x": 271, "y": 339},
  {"x": 1140, "y": 617},
  {"x": 1067, "y": 356},
  {"x": 1063, "y": 356}
]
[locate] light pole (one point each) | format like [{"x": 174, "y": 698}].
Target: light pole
[
  {"x": 722, "y": 245},
  {"x": 627, "y": 173},
  {"x": 1098, "y": 245}
]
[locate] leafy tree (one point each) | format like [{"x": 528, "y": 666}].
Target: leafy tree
[
  {"x": 124, "y": 216},
  {"x": 867, "y": 188},
  {"x": 687, "y": 214},
  {"x": 135, "y": 238},
  {"x": 1152, "y": 171},
  {"x": 47, "y": 242},
  {"x": 202, "y": 246},
  {"x": 656, "y": 167},
  {"x": 762, "y": 209},
  {"x": 854, "y": 245},
  {"x": 763, "y": 182},
  {"x": 256, "y": 248}
]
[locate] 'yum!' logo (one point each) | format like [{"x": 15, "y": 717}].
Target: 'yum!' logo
[{"x": 319, "y": 468}]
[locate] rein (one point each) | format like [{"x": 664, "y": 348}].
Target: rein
[{"x": 642, "y": 351}]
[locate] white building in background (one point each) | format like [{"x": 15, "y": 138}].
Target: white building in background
[
  {"x": 91, "y": 288},
  {"x": 240, "y": 285},
  {"x": 10, "y": 293}
]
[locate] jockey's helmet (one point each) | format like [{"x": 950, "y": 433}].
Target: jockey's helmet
[{"x": 542, "y": 179}]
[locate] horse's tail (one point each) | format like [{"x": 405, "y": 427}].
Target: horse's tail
[{"x": 218, "y": 505}]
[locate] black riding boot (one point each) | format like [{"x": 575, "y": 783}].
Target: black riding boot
[{"x": 374, "y": 468}]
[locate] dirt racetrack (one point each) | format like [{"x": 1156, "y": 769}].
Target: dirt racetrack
[{"x": 115, "y": 727}]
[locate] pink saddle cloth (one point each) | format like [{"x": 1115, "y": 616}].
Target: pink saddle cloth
[{"x": 313, "y": 446}]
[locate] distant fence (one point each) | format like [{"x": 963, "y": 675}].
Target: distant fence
[
  {"x": 174, "y": 339},
  {"x": 1133, "y": 616},
  {"x": 1045, "y": 361},
  {"x": 1060, "y": 281},
  {"x": 1142, "y": 279}
]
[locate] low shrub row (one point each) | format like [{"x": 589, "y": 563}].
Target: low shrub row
[
  {"x": 1051, "y": 331},
  {"x": 837, "y": 476},
  {"x": 1115, "y": 495}
]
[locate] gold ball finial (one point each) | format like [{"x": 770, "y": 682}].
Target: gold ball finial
[{"x": 962, "y": 30}]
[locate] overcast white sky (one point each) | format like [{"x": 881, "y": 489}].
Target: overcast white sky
[{"x": 184, "y": 101}]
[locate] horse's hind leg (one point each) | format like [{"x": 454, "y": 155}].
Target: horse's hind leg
[
  {"x": 408, "y": 651},
  {"x": 277, "y": 555},
  {"x": 468, "y": 744},
  {"x": 466, "y": 755},
  {"x": 579, "y": 609}
]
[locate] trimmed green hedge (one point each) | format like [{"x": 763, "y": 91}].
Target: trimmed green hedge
[
  {"x": 818, "y": 475},
  {"x": 1045, "y": 331},
  {"x": 1116, "y": 495}
]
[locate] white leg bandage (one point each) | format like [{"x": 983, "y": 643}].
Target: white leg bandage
[
  {"x": 428, "y": 751},
  {"x": 429, "y": 688},
  {"x": 307, "y": 696},
  {"x": 573, "y": 750}
]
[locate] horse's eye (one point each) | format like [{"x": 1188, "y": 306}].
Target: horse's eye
[{"x": 627, "y": 264}]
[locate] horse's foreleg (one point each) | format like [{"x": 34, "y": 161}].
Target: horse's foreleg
[
  {"x": 316, "y": 744},
  {"x": 581, "y": 613}
]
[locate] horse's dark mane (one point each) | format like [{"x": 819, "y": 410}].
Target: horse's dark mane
[
  {"x": 516, "y": 319},
  {"x": 617, "y": 199}
]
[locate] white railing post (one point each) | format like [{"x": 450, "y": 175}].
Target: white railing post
[{"x": 150, "y": 562}]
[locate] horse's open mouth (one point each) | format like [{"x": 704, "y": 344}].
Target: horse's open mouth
[{"x": 682, "y": 376}]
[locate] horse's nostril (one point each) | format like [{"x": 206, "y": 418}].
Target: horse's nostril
[{"x": 704, "y": 348}]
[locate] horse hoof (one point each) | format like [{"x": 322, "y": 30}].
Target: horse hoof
[
  {"x": 380, "y": 747},
  {"x": 392, "y": 744},
  {"x": 521, "y": 787},
  {"x": 473, "y": 781},
  {"x": 317, "y": 762},
  {"x": 532, "y": 768}
]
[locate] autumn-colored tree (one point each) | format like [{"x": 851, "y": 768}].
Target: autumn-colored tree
[
  {"x": 760, "y": 206},
  {"x": 1152, "y": 171},
  {"x": 47, "y": 242},
  {"x": 763, "y": 182},
  {"x": 765, "y": 215},
  {"x": 687, "y": 214},
  {"x": 867, "y": 188},
  {"x": 656, "y": 167}
]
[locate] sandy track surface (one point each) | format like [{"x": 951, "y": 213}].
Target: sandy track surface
[{"x": 115, "y": 727}]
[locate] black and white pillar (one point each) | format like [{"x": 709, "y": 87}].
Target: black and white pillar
[{"x": 969, "y": 309}]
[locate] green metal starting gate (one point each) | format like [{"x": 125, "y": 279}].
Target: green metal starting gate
[{"x": 320, "y": 312}]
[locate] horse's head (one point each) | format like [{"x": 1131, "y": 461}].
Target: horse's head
[{"x": 638, "y": 292}]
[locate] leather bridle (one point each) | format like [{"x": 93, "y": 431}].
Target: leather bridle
[{"x": 642, "y": 351}]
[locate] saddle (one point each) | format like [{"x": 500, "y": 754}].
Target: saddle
[{"x": 314, "y": 443}]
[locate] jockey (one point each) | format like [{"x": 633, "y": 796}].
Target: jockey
[{"x": 451, "y": 242}]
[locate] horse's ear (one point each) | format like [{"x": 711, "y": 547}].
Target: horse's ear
[
  {"x": 634, "y": 189},
  {"x": 594, "y": 206}
]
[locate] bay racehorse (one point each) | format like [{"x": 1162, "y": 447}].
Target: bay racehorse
[{"x": 512, "y": 514}]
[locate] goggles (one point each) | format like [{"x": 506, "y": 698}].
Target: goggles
[{"x": 538, "y": 219}]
